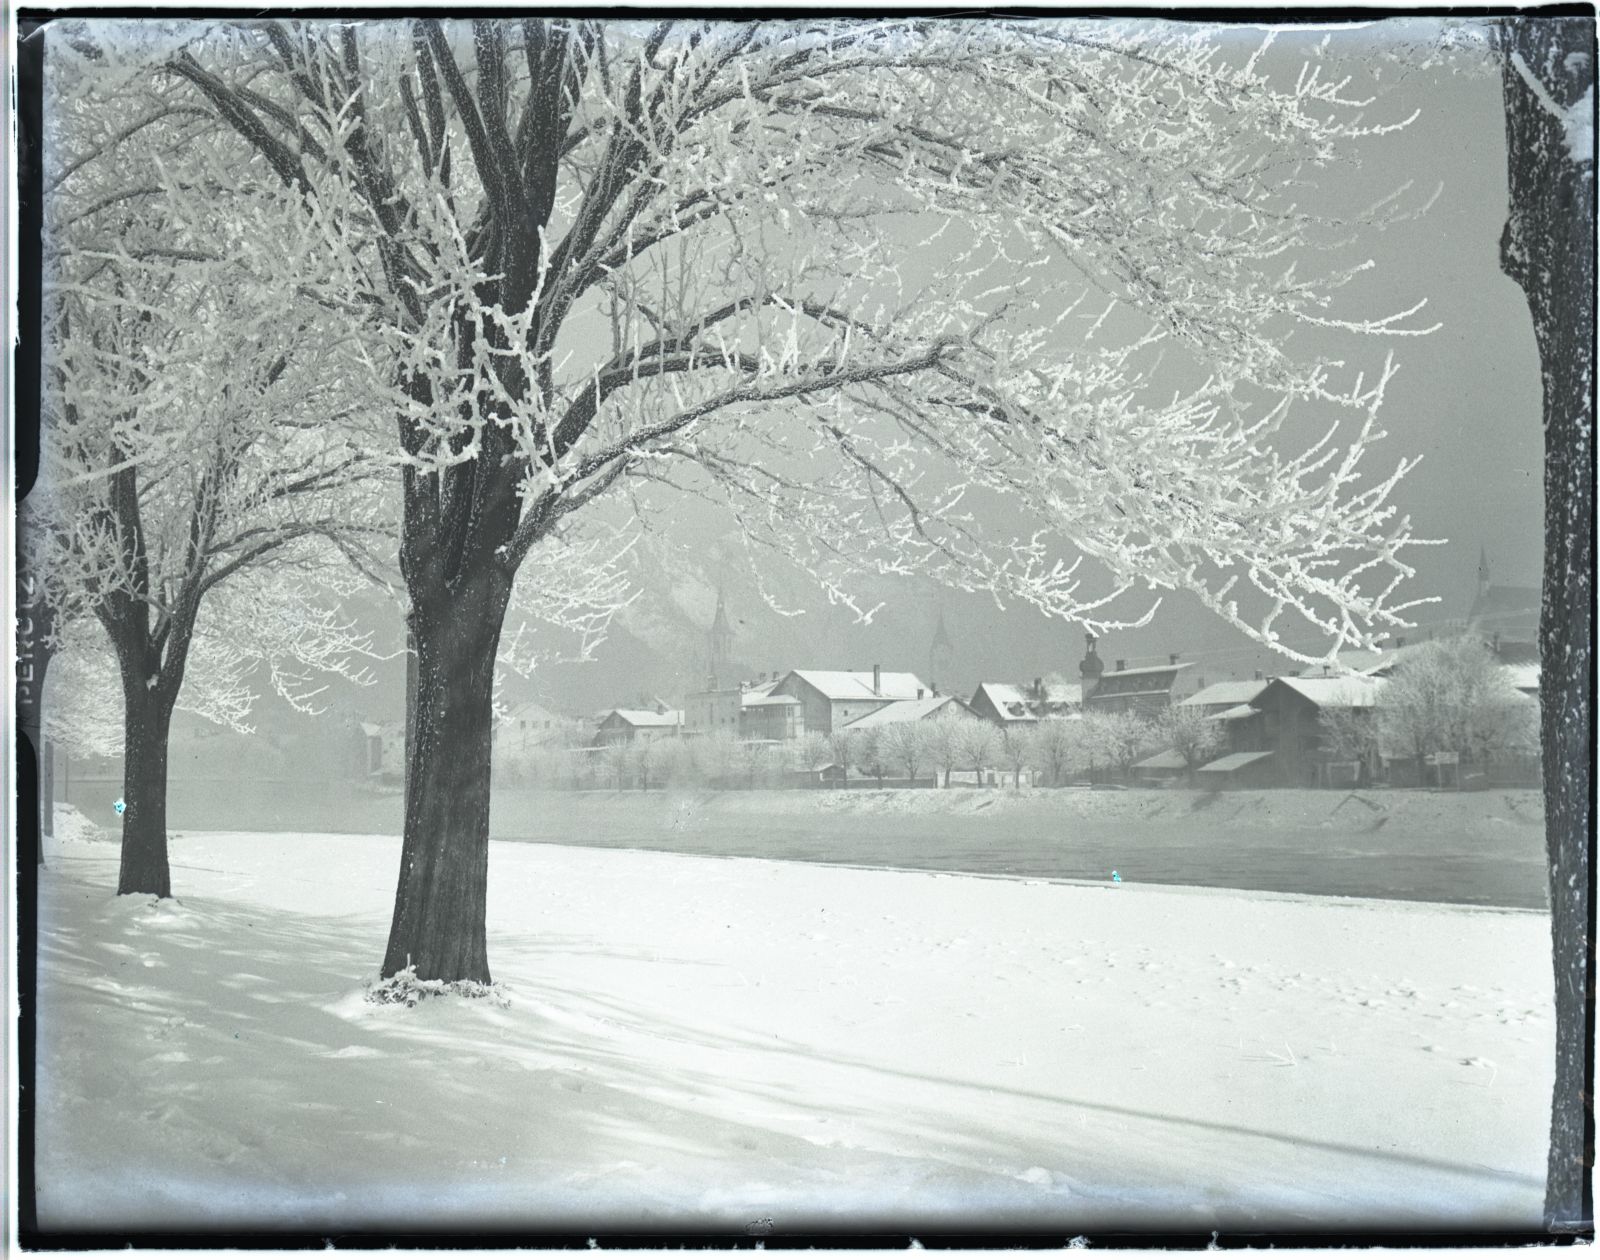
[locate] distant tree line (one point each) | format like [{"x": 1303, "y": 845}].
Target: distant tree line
[{"x": 937, "y": 752}]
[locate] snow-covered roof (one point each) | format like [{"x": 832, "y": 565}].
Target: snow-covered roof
[
  {"x": 527, "y": 711},
  {"x": 1234, "y": 714},
  {"x": 904, "y": 711},
  {"x": 1383, "y": 662},
  {"x": 1356, "y": 691},
  {"x": 1146, "y": 669},
  {"x": 648, "y": 717},
  {"x": 760, "y": 699},
  {"x": 1515, "y": 651},
  {"x": 839, "y": 684},
  {"x": 1240, "y": 691},
  {"x": 1222, "y": 765},
  {"x": 1350, "y": 661},
  {"x": 1523, "y": 677},
  {"x": 1172, "y": 759},
  {"x": 1008, "y": 700}
]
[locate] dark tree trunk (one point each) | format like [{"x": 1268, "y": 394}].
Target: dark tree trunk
[
  {"x": 1547, "y": 65},
  {"x": 146, "y": 725},
  {"x": 43, "y": 654},
  {"x": 34, "y": 632},
  {"x": 440, "y": 903},
  {"x": 411, "y": 700}
]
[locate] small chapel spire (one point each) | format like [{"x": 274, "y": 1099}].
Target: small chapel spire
[{"x": 721, "y": 643}]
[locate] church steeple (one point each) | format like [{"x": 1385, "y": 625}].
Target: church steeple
[
  {"x": 941, "y": 657},
  {"x": 721, "y": 644},
  {"x": 1090, "y": 668}
]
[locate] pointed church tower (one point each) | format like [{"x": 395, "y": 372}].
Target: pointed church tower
[
  {"x": 941, "y": 657},
  {"x": 721, "y": 643}
]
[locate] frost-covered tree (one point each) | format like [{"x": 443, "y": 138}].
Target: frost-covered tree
[
  {"x": 813, "y": 751},
  {"x": 855, "y": 280},
  {"x": 646, "y": 762},
  {"x": 866, "y": 750},
  {"x": 1016, "y": 751},
  {"x": 1118, "y": 739},
  {"x": 614, "y": 760},
  {"x": 1191, "y": 734},
  {"x": 1057, "y": 743},
  {"x": 1451, "y": 695},
  {"x": 944, "y": 743},
  {"x": 755, "y": 762},
  {"x": 905, "y": 746},
  {"x": 190, "y": 438},
  {"x": 1352, "y": 733},
  {"x": 671, "y": 763},
  {"x": 977, "y": 745},
  {"x": 842, "y": 748}
]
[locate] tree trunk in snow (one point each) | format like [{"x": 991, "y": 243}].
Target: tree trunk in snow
[
  {"x": 1547, "y": 71},
  {"x": 146, "y": 725},
  {"x": 439, "y": 910}
]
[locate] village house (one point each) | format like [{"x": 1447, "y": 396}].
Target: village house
[
  {"x": 831, "y": 699},
  {"x": 714, "y": 710},
  {"x": 1285, "y": 723},
  {"x": 772, "y": 718},
  {"x": 1013, "y": 705},
  {"x": 623, "y": 726},
  {"x": 749, "y": 711},
  {"x": 1004, "y": 704},
  {"x": 1146, "y": 689},
  {"x": 526, "y": 725}
]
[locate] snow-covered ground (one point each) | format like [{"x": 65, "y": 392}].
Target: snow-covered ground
[{"x": 719, "y": 1042}]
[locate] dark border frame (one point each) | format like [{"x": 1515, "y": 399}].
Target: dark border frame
[{"x": 897, "y": 1234}]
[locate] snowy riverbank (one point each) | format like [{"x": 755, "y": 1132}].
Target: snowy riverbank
[{"x": 714, "y": 1042}]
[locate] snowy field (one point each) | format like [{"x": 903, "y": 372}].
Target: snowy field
[{"x": 712, "y": 1043}]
